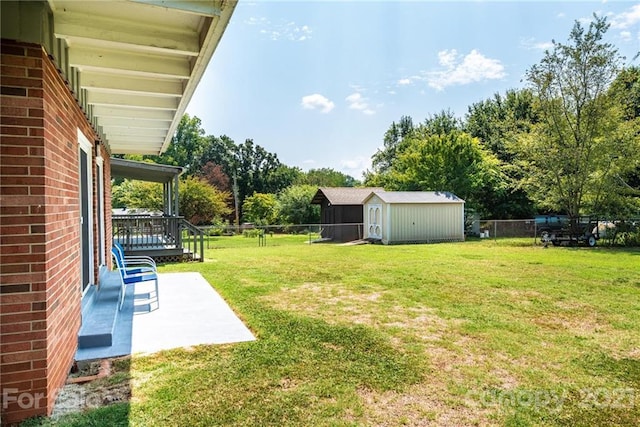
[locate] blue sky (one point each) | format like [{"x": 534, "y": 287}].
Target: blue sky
[{"x": 319, "y": 82}]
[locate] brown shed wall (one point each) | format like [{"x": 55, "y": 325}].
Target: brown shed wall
[{"x": 341, "y": 222}]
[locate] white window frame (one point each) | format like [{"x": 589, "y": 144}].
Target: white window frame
[
  {"x": 102, "y": 256},
  {"x": 85, "y": 145}
]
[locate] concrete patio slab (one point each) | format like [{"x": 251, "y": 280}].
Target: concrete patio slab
[{"x": 188, "y": 312}]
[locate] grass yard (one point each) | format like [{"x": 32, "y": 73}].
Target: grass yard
[{"x": 475, "y": 333}]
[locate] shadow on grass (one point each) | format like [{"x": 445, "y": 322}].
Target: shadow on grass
[
  {"x": 300, "y": 371},
  {"x": 115, "y": 415},
  {"x": 616, "y": 404},
  {"x": 100, "y": 402},
  {"x": 353, "y": 353},
  {"x": 624, "y": 370}
]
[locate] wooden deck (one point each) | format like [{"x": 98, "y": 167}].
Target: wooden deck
[{"x": 161, "y": 237}]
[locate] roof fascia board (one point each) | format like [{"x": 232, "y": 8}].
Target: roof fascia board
[
  {"x": 204, "y": 8},
  {"x": 215, "y": 31}
]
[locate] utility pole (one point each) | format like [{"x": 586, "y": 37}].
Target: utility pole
[{"x": 235, "y": 199}]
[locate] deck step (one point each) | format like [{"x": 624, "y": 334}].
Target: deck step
[{"x": 100, "y": 312}]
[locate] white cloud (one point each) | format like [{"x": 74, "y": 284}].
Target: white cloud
[
  {"x": 309, "y": 162},
  {"x": 532, "y": 44},
  {"x": 317, "y": 101},
  {"x": 458, "y": 70},
  {"x": 256, "y": 21},
  {"x": 560, "y": 15},
  {"x": 626, "y": 19},
  {"x": 281, "y": 31},
  {"x": 625, "y": 35},
  {"x": 358, "y": 102},
  {"x": 585, "y": 21},
  {"x": 355, "y": 166},
  {"x": 404, "y": 82},
  {"x": 447, "y": 58}
]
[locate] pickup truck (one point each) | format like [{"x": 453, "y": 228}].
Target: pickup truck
[{"x": 559, "y": 229}]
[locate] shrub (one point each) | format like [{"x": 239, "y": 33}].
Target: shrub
[{"x": 253, "y": 232}]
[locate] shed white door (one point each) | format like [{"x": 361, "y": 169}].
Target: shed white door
[{"x": 374, "y": 216}]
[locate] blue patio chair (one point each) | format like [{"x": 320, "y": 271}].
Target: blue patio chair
[
  {"x": 134, "y": 259},
  {"x": 134, "y": 265},
  {"x": 131, "y": 276}
]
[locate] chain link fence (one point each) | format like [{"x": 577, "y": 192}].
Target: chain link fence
[
  {"x": 492, "y": 228},
  {"x": 622, "y": 233},
  {"x": 610, "y": 232},
  {"x": 312, "y": 232}
]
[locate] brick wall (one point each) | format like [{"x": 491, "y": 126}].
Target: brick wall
[{"x": 40, "y": 289}]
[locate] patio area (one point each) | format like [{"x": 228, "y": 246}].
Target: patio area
[{"x": 187, "y": 312}]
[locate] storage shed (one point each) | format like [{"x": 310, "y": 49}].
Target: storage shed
[
  {"x": 413, "y": 217},
  {"x": 341, "y": 212}
]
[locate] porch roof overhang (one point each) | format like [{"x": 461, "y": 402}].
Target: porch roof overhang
[
  {"x": 133, "y": 65},
  {"x": 144, "y": 171}
]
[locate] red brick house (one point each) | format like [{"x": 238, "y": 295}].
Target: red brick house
[{"x": 80, "y": 81}]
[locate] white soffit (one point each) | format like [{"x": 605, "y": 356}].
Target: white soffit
[{"x": 139, "y": 62}]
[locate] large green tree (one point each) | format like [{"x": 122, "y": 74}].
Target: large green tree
[
  {"x": 572, "y": 156},
  {"x": 497, "y": 122},
  {"x": 624, "y": 199},
  {"x": 261, "y": 209},
  {"x": 395, "y": 142},
  {"x": 452, "y": 161},
  {"x": 326, "y": 177},
  {"x": 384, "y": 157},
  {"x": 437, "y": 155},
  {"x": 187, "y": 146},
  {"x": 249, "y": 166},
  {"x": 296, "y": 207},
  {"x": 133, "y": 194},
  {"x": 202, "y": 203}
]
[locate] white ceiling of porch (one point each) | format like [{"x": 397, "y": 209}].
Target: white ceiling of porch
[{"x": 140, "y": 62}]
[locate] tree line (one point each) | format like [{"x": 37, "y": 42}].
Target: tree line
[
  {"x": 568, "y": 142},
  {"x": 225, "y": 181}
]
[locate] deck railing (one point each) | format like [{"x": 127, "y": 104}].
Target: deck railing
[
  {"x": 147, "y": 232},
  {"x": 192, "y": 240}
]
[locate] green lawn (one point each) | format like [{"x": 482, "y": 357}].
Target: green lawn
[{"x": 476, "y": 333}]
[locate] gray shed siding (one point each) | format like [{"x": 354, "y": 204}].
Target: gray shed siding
[
  {"x": 436, "y": 222},
  {"x": 413, "y": 222}
]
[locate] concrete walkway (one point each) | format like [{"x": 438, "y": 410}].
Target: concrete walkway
[{"x": 188, "y": 312}]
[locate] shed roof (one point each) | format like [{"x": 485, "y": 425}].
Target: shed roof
[
  {"x": 343, "y": 195},
  {"x": 144, "y": 171},
  {"x": 416, "y": 197}
]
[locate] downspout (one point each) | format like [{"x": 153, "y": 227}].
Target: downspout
[{"x": 176, "y": 196}]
